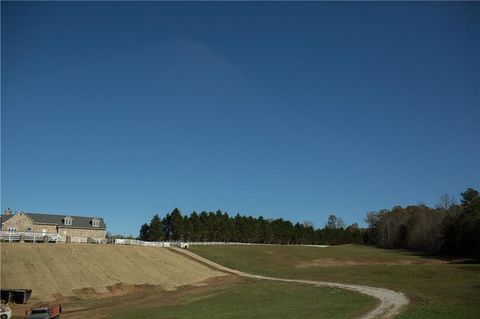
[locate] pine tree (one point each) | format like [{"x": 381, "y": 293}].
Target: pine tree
[
  {"x": 144, "y": 230},
  {"x": 187, "y": 228},
  {"x": 156, "y": 232},
  {"x": 196, "y": 227},
  {"x": 177, "y": 225}
]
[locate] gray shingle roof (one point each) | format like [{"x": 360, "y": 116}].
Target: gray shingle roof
[
  {"x": 77, "y": 221},
  {"x": 4, "y": 218}
]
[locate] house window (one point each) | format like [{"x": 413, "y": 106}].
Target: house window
[
  {"x": 67, "y": 221},
  {"x": 95, "y": 223},
  {"x": 29, "y": 229},
  {"x": 12, "y": 229}
]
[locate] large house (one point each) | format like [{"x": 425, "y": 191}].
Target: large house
[{"x": 64, "y": 225}]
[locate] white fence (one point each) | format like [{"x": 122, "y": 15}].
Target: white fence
[
  {"x": 28, "y": 237},
  {"x": 52, "y": 237},
  {"x": 7, "y": 236},
  {"x": 214, "y": 243},
  {"x": 44, "y": 237},
  {"x": 135, "y": 242}
]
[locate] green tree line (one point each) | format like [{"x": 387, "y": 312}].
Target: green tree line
[
  {"x": 220, "y": 226},
  {"x": 450, "y": 227}
]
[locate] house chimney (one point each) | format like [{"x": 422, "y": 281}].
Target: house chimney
[{"x": 8, "y": 212}]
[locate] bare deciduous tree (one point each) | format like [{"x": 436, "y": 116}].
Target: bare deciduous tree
[{"x": 446, "y": 201}]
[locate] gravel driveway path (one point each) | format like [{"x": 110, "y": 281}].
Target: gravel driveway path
[{"x": 391, "y": 302}]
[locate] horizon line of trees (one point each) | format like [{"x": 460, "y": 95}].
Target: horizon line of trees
[
  {"x": 448, "y": 228},
  {"x": 220, "y": 226}
]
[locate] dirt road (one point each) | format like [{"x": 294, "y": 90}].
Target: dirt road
[{"x": 391, "y": 302}]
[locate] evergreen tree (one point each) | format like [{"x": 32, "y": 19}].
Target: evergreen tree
[
  {"x": 176, "y": 225},
  {"x": 144, "y": 230},
  {"x": 204, "y": 230},
  {"x": 156, "y": 232},
  {"x": 196, "y": 227},
  {"x": 187, "y": 228},
  {"x": 462, "y": 224},
  {"x": 219, "y": 226}
]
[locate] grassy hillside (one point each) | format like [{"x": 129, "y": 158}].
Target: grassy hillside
[
  {"x": 437, "y": 288},
  {"x": 224, "y": 297},
  {"x": 60, "y": 269},
  {"x": 77, "y": 272},
  {"x": 261, "y": 299}
]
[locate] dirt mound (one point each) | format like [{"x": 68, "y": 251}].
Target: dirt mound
[{"x": 53, "y": 270}]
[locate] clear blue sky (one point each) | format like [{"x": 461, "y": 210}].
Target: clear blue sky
[{"x": 293, "y": 110}]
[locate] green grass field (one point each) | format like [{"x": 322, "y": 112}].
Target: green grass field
[
  {"x": 261, "y": 299},
  {"x": 437, "y": 288}
]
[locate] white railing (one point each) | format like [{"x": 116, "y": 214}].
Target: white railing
[
  {"x": 28, "y": 236},
  {"x": 52, "y": 237},
  {"x": 135, "y": 242},
  {"x": 8, "y": 236},
  {"x": 214, "y": 243},
  {"x": 229, "y": 243}
]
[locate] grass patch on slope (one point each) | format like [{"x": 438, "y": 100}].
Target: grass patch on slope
[
  {"x": 262, "y": 299},
  {"x": 438, "y": 289}
]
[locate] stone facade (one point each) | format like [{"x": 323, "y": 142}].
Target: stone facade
[
  {"x": 93, "y": 233},
  {"x": 22, "y": 223},
  {"x": 39, "y": 228},
  {"x": 19, "y": 222}
]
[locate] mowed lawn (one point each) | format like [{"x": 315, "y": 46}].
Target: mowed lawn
[
  {"x": 260, "y": 299},
  {"x": 437, "y": 288}
]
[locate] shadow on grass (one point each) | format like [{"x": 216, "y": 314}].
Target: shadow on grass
[
  {"x": 448, "y": 258},
  {"x": 451, "y": 259}
]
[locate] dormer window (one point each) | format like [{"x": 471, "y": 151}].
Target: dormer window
[
  {"x": 67, "y": 221},
  {"x": 95, "y": 222}
]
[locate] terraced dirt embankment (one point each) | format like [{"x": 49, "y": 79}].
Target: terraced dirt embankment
[
  {"x": 54, "y": 270},
  {"x": 391, "y": 302}
]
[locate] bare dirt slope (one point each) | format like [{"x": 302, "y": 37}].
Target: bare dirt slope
[
  {"x": 391, "y": 302},
  {"x": 52, "y": 270}
]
